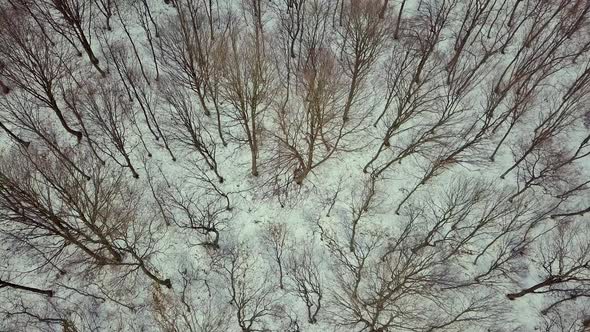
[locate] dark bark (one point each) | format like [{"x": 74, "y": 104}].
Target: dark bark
[{"x": 26, "y": 288}]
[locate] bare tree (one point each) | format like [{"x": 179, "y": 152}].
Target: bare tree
[
  {"x": 411, "y": 98},
  {"x": 304, "y": 271},
  {"x": 33, "y": 64},
  {"x": 564, "y": 256},
  {"x": 251, "y": 296},
  {"x": 52, "y": 205},
  {"x": 139, "y": 91},
  {"x": 426, "y": 240},
  {"x": 547, "y": 168},
  {"x": 560, "y": 116},
  {"x": 138, "y": 62},
  {"x": 199, "y": 308},
  {"x": 384, "y": 284},
  {"x": 105, "y": 7},
  {"x": 146, "y": 20},
  {"x": 275, "y": 238},
  {"x": 186, "y": 50},
  {"x": 309, "y": 127},
  {"x": 188, "y": 129},
  {"x": 361, "y": 208},
  {"x": 292, "y": 15},
  {"x": 188, "y": 211},
  {"x": 190, "y": 55},
  {"x": 19, "y": 314},
  {"x": 109, "y": 115},
  {"x": 73, "y": 22},
  {"x": 248, "y": 85},
  {"x": 363, "y": 36},
  {"x": 23, "y": 112}
]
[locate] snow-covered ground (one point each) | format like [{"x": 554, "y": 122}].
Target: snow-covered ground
[{"x": 430, "y": 175}]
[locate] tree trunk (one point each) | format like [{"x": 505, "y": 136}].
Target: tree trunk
[
  {"x": 4, "y": 88},
  {"x": 570, "y": 214},
  {"x": 547, "y": 282},
  {"x": 24, "y": 143},
  {"x": 26, "y": 288},
  {"x": 399, "y": 19}
]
